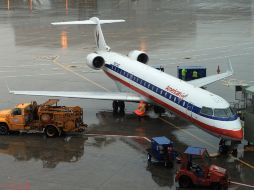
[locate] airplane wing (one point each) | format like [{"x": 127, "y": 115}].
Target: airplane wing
[
  {"x": 213, "y": 78},
  {"x": 124, "y": 96}
]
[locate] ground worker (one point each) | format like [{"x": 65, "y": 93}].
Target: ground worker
[
  {"x": 141, "y": 109},
  {"x": 194, "y": 74},
  {"x": 184, "y": 72}
]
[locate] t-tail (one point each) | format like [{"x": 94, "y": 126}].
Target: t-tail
[{"x": 99, "y": 38}]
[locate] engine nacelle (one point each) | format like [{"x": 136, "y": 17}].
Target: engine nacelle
[
  {"x": 95, "y": 61},
  {"x": 139, "y": 56}
]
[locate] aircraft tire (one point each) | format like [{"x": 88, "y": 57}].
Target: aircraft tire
[
  {"x": 121, "y": 105},
  {"x": 149, "y": 157},
  {"x": 115, "y": 106}
]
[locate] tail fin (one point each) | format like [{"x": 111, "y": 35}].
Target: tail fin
[{"x": 99, "y": 38}]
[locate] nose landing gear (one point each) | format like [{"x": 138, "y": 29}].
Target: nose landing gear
[{"x": 227, "y": 146}]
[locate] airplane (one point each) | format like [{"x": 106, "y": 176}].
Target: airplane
[{"x": 147, "y": 84}]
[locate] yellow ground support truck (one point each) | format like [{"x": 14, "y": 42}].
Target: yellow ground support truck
[{"x": 48, "y": 117}]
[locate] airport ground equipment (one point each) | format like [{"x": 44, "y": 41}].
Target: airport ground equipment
[
  {"x": 196, "y": 169},
  {"x": 249, "y": 115},
  {"x": 244, "y": 95},
  {"x": 188, "y": 73},
  {"x": 47, "y": 117},
  {"x": 161, "y": 151}
]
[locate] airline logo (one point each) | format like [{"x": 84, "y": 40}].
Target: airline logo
[{"x": 176, "y": 92}]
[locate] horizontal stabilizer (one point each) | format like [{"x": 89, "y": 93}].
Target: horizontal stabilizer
[
  {"x": 93, "y": 20},
  {"x": 99, "y": 38}
]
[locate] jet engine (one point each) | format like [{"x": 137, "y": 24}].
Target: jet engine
[
  {"x": 95, "y": 61},
  {"x": 139, "y": 56}
]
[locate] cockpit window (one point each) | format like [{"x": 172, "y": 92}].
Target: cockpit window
[
  {"x": 16, "y": 111},
  {"x": 228, "y": 112},
  {"x": 207, "y": 111}
]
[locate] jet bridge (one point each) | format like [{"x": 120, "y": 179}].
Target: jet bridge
[
  {"x": 249, "y": 114},
  {"x": 245, "y": 107}
]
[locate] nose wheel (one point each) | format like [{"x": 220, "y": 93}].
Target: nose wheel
[
  {"x": 226, "y": 147},
  {"x": 118, "y": 107}
]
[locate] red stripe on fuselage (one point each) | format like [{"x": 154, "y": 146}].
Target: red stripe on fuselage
[{"x": 236, "y": 135}]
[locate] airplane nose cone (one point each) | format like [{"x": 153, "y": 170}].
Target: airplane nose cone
[{"x": 238, "y": 134}]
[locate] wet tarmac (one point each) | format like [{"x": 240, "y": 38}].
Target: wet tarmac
[{"x": 111, "y": 155}]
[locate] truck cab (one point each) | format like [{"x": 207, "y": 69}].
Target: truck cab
[{"x": 16, "y": 118}]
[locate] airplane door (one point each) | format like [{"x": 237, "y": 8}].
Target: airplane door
[{"x": 189, "y": 110}]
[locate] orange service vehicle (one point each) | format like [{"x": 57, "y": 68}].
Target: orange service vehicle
[{"x": 48, "y": 117}]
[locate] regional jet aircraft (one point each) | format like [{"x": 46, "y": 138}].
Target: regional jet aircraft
[{"x": 147, "y": 84}]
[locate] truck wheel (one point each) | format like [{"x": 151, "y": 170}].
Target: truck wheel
[
  {"x": 4, "y": 130},
  {"x": 216, "y": 186},
  {"x": 51, "y": 131},
  {"x": 185, "y": 182},
  {"x": 149, "y": 157}
]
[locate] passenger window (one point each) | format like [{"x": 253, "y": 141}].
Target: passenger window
[{"x": 207, "y": 111}]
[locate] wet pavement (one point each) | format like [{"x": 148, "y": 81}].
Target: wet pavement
[{"x": 38, "y": 56}]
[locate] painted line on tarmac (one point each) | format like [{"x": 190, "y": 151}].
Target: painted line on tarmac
[
  {"x": 243, "y": 162},
  {"x": 242, "y": 184},
  {"x": 17, "y": 76},
  {"x": 128, "y": 136},
  {"x": 55, "y": 61},
  {"x": 22, "y": 66},
  {"x": 189, "y": 133},
  {"x": 201, "y": 140}
]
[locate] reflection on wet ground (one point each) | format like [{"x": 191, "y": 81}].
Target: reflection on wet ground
[{"x": 49, "y": 151}]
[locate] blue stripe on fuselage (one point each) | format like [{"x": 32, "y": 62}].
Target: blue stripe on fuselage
[{"x": 166, "y": 94}]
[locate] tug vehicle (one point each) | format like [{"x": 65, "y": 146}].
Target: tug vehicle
[
  {"x": 196, "y": 169},
  {"x": 48, "y": 117},
  {"x": 161, "y": 151}
]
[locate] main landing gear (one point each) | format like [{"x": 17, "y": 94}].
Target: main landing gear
[{"x": 118, "y": 107}]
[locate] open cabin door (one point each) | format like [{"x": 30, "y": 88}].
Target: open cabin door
[{"x": 189, "y": 110}]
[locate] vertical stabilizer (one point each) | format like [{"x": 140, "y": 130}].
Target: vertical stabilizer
[{"x": 99, "y": 38}]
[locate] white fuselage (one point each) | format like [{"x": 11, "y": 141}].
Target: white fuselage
[{"x": 172, "y": 93}]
